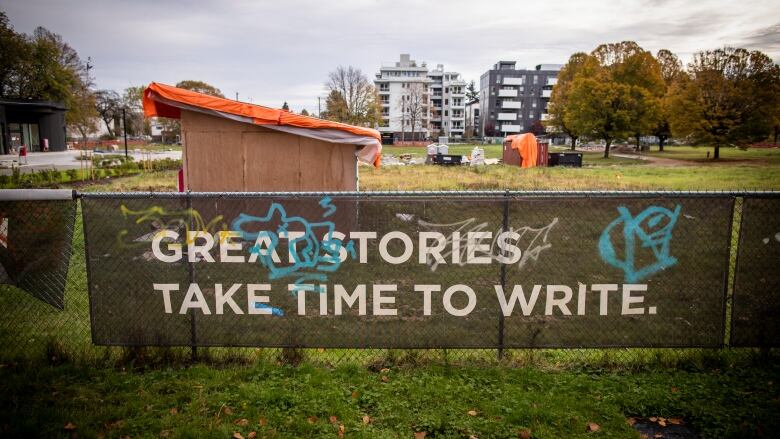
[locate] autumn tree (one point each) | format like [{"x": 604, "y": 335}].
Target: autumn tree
[
  {"x": 671, "y": 72},
  {"x": 359, "y": 102},
  {"x": 335, "y": 107},
  {"x": 200, "y": 87},
  {"x": 729, "y": 99},
  {"x": 601, "y": 108},
  {"x": 579, "y": 62}
]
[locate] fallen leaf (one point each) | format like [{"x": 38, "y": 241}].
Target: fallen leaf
[
  {"x": 524, "y": 434},
  {"x": 472, "y": 413},
  {"x": 174, "y": 411},
  {"x": 311, "y": 419},
  {"x": 354, "y": 394},
  {"x": 662, "y": 423},
  {"x": 473, "y": 437},
  {"x": 675, "y": 389},
  {"x": 333, "y": 419},
  {"x": 631, "y": 421},
  {"x": 385, "y": 378},
  {"x": 166, "y": 433},
  {"x": 114, "y": 425},
  {"x": 237, "y": 435},
  {"x": 419, "y": 434},
  {"x": 675, "y": 421},
  {"x": 227, "y": 410},
  {"x": 101, "y": 435},
  {"x": 366, "y": 419},
  {"x": 653, "y": 419},
  {"x": 384, "y": 370},
  {"x": 263, "y": 422},
  {"x": 341, "y": 430},
  {"x": 251, "y": 435},
  {"x": 243, "y": 422},
  {"x": 70, "y": 426},
  {"x": 320, "y": 350},
  {"x": 592, "y": 426}
]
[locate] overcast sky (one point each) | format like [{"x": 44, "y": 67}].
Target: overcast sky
[{"x": 275, "y": 51}]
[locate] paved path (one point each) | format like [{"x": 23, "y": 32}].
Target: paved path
[
  {"x": 652, "y": 159},
  {"x": 64, "y": 160}
]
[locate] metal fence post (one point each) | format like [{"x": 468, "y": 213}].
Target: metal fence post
[
  {"x": 504, "y": 228},
  {"x": 191, "y": 272}
]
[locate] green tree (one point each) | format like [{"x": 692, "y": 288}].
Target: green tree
[
  {"x": 200, "y": 87},
  {"x": 729, "y": 99},
  {"x": 109, "y": 107},
  {"x": 285, "y": 107},
  {"x": 472, "y": 93},
  {"x": 304, "y": 112},
  {"x": 14, "y": 55},
  {"x": 600, "y": 107}
]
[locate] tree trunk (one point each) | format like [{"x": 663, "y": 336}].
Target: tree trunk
[
  {"x": 661, "y": 141},
  {"x": 777, "y": 130},
  {"x": 638, "y": 146},
  {"x": 606, "y": 148},
  {"x": 717, "y": 152},
  {"x": 573, "y": 142}
]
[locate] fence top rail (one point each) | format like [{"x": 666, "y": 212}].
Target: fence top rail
[
  {"x": 369, "y": 194},
  {"x": 37, "y": 194}
]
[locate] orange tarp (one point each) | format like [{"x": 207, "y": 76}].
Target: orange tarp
[
  {"x": 167, "y": 101},
  {"x": 525, "y": 145}
]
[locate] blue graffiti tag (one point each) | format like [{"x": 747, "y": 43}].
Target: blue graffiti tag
[
  {"x": 307, "y": 252},
  {"x": 647, "y": 227},
  {"x": 274, "y": 310},
  {"x": 326, "y": 203}
]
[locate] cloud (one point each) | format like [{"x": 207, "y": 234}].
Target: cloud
[{"x": 273, "y": 52}]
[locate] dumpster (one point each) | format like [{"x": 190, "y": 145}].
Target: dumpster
[{"x": 569, "y": 159}]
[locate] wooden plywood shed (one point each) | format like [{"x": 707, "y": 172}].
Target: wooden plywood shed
[
  {"x": 525, "y": 151},
  {"x": 234, "y": 146}
]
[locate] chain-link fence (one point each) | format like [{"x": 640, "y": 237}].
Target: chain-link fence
[{"x": 517, "y": 277}]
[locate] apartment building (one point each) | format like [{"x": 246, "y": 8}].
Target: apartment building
[
  {"x": 515, "y": 100},
  {"x": 443, "y": 106}
]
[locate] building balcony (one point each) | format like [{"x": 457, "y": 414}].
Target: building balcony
[
  {"x": 546, "y": 93},
  {"x": 513, "y": 81},
  {"x": 456, "y": 129},
  {"x": 507, "y": 116},
  {"x": 511, "y": 128},
  {"x": 507, "y": 93},
  {"x": 458, "y": 117},
  {"x": 515, "y": 105},
  {"x": 552, "y": 81}
]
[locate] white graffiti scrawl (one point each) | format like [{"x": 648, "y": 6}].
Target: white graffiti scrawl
[{"x": 537, "y": 238}]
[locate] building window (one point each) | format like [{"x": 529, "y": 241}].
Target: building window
[
  {"x": 446, "y": 112},
  {"x": 536, "y": 79}
]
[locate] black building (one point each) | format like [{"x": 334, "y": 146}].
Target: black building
[
  {"x": 34, "y": 124},
  {"x": 515, "y": 101}
]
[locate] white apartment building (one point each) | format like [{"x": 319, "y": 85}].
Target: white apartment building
[{"x": 443, "y": 103}]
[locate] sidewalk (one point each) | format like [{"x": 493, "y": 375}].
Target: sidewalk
[{"x": 64, "y": 160}]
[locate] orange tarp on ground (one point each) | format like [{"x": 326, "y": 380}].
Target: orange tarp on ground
[
  {"x": 525, "y": 145},
  {"x": 168, "y": 101}
]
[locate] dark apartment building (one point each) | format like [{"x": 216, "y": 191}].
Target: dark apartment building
[{"x": 513, "y": 101}]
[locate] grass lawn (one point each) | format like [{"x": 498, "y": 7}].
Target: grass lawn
[
  {"x": 309, "y": 401},
  {"x": 549, "y": 393},
  {"x": 698, "y": 154}
]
